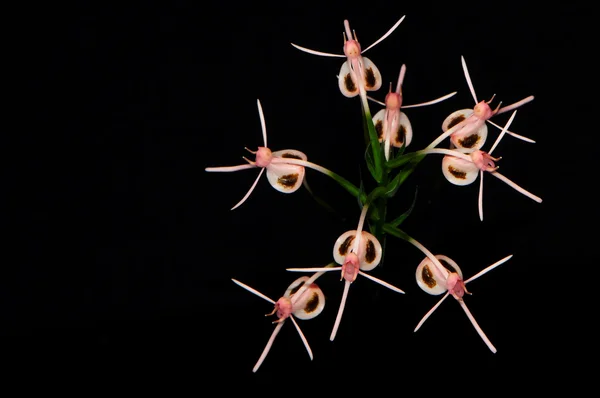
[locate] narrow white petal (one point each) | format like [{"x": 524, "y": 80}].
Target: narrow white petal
[
  {"x": 431, "y": 311},
  {"x": 323, "y": 269},
  {"x": 318, "y": 52},
  {"x": 262, "y": 123},
  {"x": 310, "y": 354},
  {"x": 392, "y": 287},
  {"x": 249, "y": 191},
  {"x": 515, "y": 105},
  {"x": 435, "y": 101},
  {"x": 259, "y": 294},
  {"x": 476, "y": 326},
  {"x": 268, "y": 346},
  {"x": 231, "y": 168},
  {"x": 464, "y": 65},
  {"x": 516, "y": 187},
  {"x": 512, "y": 133},
  {"x": 480, "y": 195},
  {"x": 504, "y": 129},
  {"x": 488, "y": 269},
  {"x": 340, "y": 311},
  {"x": 385, "y": 35}
]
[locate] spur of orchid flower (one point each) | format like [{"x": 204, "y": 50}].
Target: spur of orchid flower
[
  {"x": 435, "y": 281},
  {"x": 356, "y": 251},
  {"x": 358, "y": 74},
  {"x": 467, "y": 128},
  {"x": 285, "y": 168},
  {"x": 464, "y": 168},
  {"x": 392, "y": 125},
  {"x": 302, "y": 299}
]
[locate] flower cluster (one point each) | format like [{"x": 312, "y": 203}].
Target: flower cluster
[{"x": 387, "y": 135}]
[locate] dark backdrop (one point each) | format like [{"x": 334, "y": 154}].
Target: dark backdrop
[{"x": 122, "y": 248}]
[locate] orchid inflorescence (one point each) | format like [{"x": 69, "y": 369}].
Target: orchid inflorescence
[{"x": 388, "y": 134}]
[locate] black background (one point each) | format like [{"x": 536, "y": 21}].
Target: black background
[{"x": 121, "y": 247}]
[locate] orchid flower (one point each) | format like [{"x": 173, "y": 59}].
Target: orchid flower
[
  {"x": 285, "y": 168},
  {"x": 303, "y": 299},
  {"x": 462, "y": 169},
  {"x": 356, "y": 251},
  {"x": 453, "y": 284},
  {"x": 466, "y": 127},
  {"x": 392, "y": 125},
  {"x": 358, "y": 74}
]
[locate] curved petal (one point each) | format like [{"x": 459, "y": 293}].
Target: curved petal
[
  {"x": 249, "y": 190},
  {"x": 286, "y": 178},
  {"x": 459, "y": 171},
  {"x": 343, "y": 245},
  {"x": 346, "y": 81},
  {"x": 428, "y": 280}
]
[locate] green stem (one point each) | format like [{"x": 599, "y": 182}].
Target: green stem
[{"x": 373, "y": 140}]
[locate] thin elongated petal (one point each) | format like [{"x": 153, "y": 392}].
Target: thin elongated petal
[
  {"x": 382, "y": 283},
  {"x": 480, "y": 200},
  {"x": 489, "y": 268},
  {"x": 268, "y": 346},
  {"x": 310, "y": 354},
  {"x": 315, "y": 52},
  {"x": 502, "y": 132},
  {"x": 477, "y": 327},
  {"x": 322, "y": 269},
  {"x": 385, "y": 35},
  {"x": 227, "y": 169},
  {"x": 512, "y": 133},
  {"x": 262, "y": 123},
  {"x": 517, "y": 187},
  {"x": 515, "y": 105},
  {"x": 250, "y": 190},
  {"x": 338, "y": 319},
  {"x": 259, "y": 294},
  {"x": 375, "y": 100},
  {"x": 459, "y": 171},
  {"x": 431, "y": 311},
  {"x": 435, "y": 101},
  {"x": 469, "y": 82}
]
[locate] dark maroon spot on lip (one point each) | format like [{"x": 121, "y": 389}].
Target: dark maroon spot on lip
[
  {"x": 401, "y": 135},
  {"x": 350, "y": 86},
  {"x": 427, "y": 277},
  {"x": 448, "y": 266},
  {"x": 470, "y": 141},
  {"x": 370, "y": 78},
  {"x": 345, "y": 245},
  {"x": 291, "y": 156},
  {"x": 457, "y": 173},
  {"x": 312, "y": 303},
  {"x": 379, "y": 129},
  {"x": 455, "y": 121},
  {"x": 371, "y": 252},
  {"x": 288, "y": 180}
]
